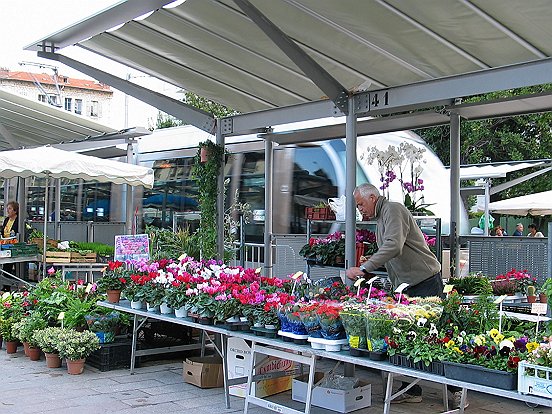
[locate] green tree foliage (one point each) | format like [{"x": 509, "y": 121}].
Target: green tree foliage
[
  {"x": 513, "y": 138},
  {"x": 207, "y": 105}
]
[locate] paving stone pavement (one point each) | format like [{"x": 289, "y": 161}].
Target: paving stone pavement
[{"x": 31, "y": 387}]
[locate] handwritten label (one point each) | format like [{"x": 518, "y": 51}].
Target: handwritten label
[
  {"x": 257, "y": 270},
  {"x": 6, "y": 295},
  {"x": 61, "y": 316},
  {"x": 539, "y": 308},
  {"x": 500, "y": 299},
  {"x": 448, "y": 288},
  {"x": 296, "y": 275},
  {"x": 401, "y": 287},
  {"x": 88, "y": 288},
  {"x": 182, "y": 257},
  {"x": 372, "y": 280},
  {"x": 359, "y": 281}
]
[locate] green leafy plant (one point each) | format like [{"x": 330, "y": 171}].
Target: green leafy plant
[
  {"x": 6, "y": 329},
  {"x": 75, "y": 345},
  {"x": 75, "y": 311},
  {"x": 473, "y": 284},
  {"x": 25, "y": 328},
  {"x": 114, "y": 277},
  {"x": 206, "y": 176},
  {"x": 47, "y": 339},
  {"x": 168, "y": 244}
]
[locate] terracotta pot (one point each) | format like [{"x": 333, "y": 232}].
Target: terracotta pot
[
  {"x": 75, "y": 367},
  {"x": 26, "y": 348},
  {"x": 53, "y": 360},
  {"x": 34, "y": 353},
  {"x": 11, "y": 347},
  {"x": 203, "y": 154},
  {"x": 542, "y": 299},
  {"x": 114, "y": 296},
  {"x": 531, "y": 298}
]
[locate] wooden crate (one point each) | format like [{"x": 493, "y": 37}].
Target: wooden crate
[{"x": 70, "y": 257}]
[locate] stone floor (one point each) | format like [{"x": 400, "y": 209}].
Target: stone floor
[{"x": 31, "y": 387}]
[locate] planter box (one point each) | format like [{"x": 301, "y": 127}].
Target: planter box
[
  {"x": 342, "y": 401},
  {"x": 70, "y": 257},
  {"x": 481, "y": 375},
  {"x": 435, "y": 367},
  {"x": 534, "y": 379},
  {"x": 204, "y": 372}
]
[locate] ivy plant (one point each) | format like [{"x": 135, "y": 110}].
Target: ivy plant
[{"x": 206, "y": 176}]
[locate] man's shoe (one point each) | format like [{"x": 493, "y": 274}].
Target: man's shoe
[
  {"x": 406, "y": 398},
  {"x": 456, "y": 397}
]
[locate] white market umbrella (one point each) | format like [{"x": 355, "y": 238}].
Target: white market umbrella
[
  {"x": 538, "y": 204},
  {"x": 49, "y": 162}
]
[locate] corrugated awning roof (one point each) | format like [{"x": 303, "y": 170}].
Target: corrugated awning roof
[
  {"x": 26, "y": 123},
  {"x": 215, "y": 50}
]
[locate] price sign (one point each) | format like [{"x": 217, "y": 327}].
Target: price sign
[
  {"x": 359, "y": 281},
  {"x": 539, "y": 308},
  {"x": 500, "y": 299},
  {"x": 182, "y": 257},
  {"x": 5, "y": 295},
  {"x": 257, "y": 270},
  {"x": 401, "y": 287},
  {"x": 61, "y": 316},
  {"x": 448, "y": 288},
  {"x": 296, "y": 275},
  {"x": 88, "y": 288}
]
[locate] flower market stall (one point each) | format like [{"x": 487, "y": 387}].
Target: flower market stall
[
  {"x": 441, "y": 340},
  {"x": 50, "y": 162}
]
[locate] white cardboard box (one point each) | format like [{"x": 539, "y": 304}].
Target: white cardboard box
[
  {"x": 332, "y": 399},
  {"x": 239, "y": 360}
]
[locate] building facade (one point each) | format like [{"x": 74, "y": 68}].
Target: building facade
[{"x": 87, "y": 98}]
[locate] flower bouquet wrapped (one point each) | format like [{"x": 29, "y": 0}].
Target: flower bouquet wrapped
[
  {"x": 379, "y": 324},
  {"x": 330, "y": 322},
  {"x": 353, "y": 319},
  {"x": 293, "y": 317},
  {"x": 310, "y": 319}
]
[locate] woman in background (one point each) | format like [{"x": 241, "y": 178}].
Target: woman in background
[{"x": 11, "y": 223}]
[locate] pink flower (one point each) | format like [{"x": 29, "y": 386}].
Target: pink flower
[{"x": 51, "y": 270}]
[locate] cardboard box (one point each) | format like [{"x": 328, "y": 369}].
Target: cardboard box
[
  {"x": 239, "y": 360},
  {"x": 204, "y": 372},
  {"x": 332, "y": 399}
]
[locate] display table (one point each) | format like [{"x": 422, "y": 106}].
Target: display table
[
  {"x": 307, "y": 355},
  {"x": 6, "y": 278}
]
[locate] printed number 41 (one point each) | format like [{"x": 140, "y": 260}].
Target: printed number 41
[{"x": 375, "y": 102}]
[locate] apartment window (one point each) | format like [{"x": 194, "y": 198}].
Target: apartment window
[
  {"x": 68, "y": 104},
  {"x": 41, "y": 98},
  {"x": 53, "y": 100},
  {"x": 78, "y": 106},
  {"x": 94, "y": 108}
]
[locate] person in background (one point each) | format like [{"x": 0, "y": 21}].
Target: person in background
[
  {"x": 10, "y": 228},
  {"x": 499, "y": 231},
  {"x": 406, "y": 256},
  {"x": 533, "y": 231},
  {"x": 519, "y": 230},
  {"x": 11, "y": 224}
]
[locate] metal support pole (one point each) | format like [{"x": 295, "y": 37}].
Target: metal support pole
[
  {"x": 45, "y": 237},
  {"x": 242, "y": 241},
  {"x": 350, "y": 184},
  {"x": 269, "y": 146},
  {"x": 220, "y": 196},
  {"x": 487, "y": 196},
  {"x": 128, "y": 202},
  {"x": 57, "y": 210},
  {"x": 454, "y": 193},
  {"x": 350, "y": 205}
]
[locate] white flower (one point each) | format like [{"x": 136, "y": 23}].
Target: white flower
[
  {"x": 433, "y": 329},
  {"x": 421, "y": 322},
  {"x": 506, "y": 343}
]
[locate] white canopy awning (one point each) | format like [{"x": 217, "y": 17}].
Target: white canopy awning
[
  {"x": 473, "y": 172},
  {"x": 55, "y": 163},
  {"x": 538, "y": 204}
]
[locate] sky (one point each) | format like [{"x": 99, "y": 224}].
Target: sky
[{"x": 25, "y": 21}]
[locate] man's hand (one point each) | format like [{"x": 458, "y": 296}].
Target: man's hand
[
  {"x": 363, "y": 259},
  {"x": 354, "y": 273}
]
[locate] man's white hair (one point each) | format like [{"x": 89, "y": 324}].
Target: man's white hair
[{"x": 366, "y": 190}]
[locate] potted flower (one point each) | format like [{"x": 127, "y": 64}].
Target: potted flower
[
  {"x": 75, "y": 347},
  {"x": 153, "y": 294},
  {"x": 354, "y": 322},
  {"x": 330, "y": 322},
  {"x": 47, "y": 340},
  {"x": 6, "y": 330},
  {"x": 113, "y": 281},
  {"x": 24, "y": 330}
]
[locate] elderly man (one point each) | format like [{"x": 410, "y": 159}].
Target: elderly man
[
  {"x": 519, "y": 230},
  {"x": 406, "y": 256}
]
